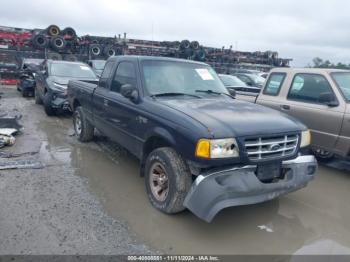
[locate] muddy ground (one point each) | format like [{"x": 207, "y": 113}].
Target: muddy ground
[{"x": 89, "y": 199}]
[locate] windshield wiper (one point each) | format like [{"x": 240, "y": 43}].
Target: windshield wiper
[
  {"x": 213, "y": 92},
  {"x": 173, "y": 94}
]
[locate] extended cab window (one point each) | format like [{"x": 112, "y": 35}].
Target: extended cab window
[
  {"x": 274, "y": 84},
  {"x": 342, "y": 80},
  {"x": 106, "y": 73},
  {"x": 125, "y": 74},
  {"x": 308, "y": 88}
]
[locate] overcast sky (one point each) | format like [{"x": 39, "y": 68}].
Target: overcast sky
[{"x": 299, "y": 29}]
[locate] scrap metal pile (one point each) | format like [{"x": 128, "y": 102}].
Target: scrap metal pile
[{"x": 54, "y": 43}]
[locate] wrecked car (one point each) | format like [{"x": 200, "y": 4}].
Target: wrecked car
[
  {"x": 51, "y": 83},
  {"x": 199, "y": 147},
  {"x": 26, "y": 81}
]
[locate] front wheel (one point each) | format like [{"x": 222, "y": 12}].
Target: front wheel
[
  {"x": 84, "y": 130},
  {"x": 168, "y": 180},
  {"x": 323, "y": 155},
  {"x": 47, "y": 104}
]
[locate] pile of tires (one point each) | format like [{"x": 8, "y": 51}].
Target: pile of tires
[
  {"x": 55, "y": 39},
  {"x": 191, "y": 50}
]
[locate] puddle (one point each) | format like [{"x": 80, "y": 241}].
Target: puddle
[{"x": 301, "y": 222}]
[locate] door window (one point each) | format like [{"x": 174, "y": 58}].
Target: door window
[
  {"x": 106, "y": 74},
  {"x": 308, "y": 88},
  {"x": 274, "y": 84},
  {"x": 125, "y": 74}
]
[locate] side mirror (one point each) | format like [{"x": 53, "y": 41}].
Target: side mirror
[
  {"x": 328, "y": 98},
  {"x": 232, "y": 92},
  {"x": 129, "y": 91}
]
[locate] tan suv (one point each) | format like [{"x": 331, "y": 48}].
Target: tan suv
[{"x": 320, "y": 98}]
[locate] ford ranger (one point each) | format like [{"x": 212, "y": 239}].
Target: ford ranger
[
  {"x": 320, "y": 98},
  {"x": 199, "y": 147}
]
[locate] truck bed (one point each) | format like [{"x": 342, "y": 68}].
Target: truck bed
[{"x": 83, "y": 90}]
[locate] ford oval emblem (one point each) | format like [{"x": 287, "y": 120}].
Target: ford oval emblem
[{"x": 275, "y": 147}]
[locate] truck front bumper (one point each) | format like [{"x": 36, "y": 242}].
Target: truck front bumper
[
  {"x": 60, "y": 101},
  {"x": 237, "y": 186}
]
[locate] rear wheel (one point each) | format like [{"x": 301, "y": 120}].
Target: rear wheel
[
  {"x": 47, "y": 104},
  {"x": 323, "y": 155},
  {"x": 84, "y": 130},
  {"x": 167, "y": 179}
]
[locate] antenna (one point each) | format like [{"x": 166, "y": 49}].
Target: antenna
[{"x": 152, "y": 38}]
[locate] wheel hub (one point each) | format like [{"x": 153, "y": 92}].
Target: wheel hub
[
  {"x": 77, "y": 124},
  {"x": 159, "y": 182}
]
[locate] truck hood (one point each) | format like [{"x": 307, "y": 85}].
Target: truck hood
[
  {"x": 64, "y": 80},
  {"x": 226, "y": 117}
]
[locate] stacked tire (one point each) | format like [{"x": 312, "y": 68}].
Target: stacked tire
[
  {"x": 57, "y": 42},
  {"x": 191, "y": 50}
]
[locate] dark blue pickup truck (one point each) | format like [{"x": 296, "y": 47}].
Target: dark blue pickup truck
[{"x": 199, "y": 148}]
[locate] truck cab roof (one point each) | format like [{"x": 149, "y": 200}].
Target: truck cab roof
[
  {"x": 306, "y": 70},
  {"x": 152, "y": 58}
]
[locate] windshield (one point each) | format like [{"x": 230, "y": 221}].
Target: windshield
[
  {"x": 343, "y": 82},
  {"x": 180, "y": 77},
  {"x": 258, "y": 79},
  {"x": 72, "y": 70},
  {"x": 229, "y": 80},
  {"x": 99, "y": 64}
]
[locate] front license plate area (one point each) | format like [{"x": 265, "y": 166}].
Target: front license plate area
[{"x": 268, "y": 172}]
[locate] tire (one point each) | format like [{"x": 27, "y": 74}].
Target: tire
[
  {"x": 179, "y": 180},
  {"x": 53, "y": 30},
  {"x": 37, "y": 98},
  {"x": 69, "y": 31},
  {"x": 84, "y": 130},
  {"x": 95, "y": 49},
  {"x": 109, "y": 51},
  {"x": 47, "y": 105},
  {"x": 24, "y": 93},
  {"x": 195, "y": 45},
  {"x": 185, "y": 44},
  {"x": 39, "y": 41},
  {"x": 323, "y": 155},
  {"x": 200, "y": 54},
  {"x": 58, "y": 43}
]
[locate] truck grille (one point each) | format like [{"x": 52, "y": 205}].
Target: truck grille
[{"x": 271, "y": 147}]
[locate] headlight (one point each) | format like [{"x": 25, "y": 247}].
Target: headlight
[
  {"x": 60, "y": 86},
  {"x": 305, "y": 138},
  {"x": 217, "y": 148}
]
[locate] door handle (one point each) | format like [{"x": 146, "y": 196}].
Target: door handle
[
  {"x": 105, "y": 102},
  {"x": 285, "y": 107}
]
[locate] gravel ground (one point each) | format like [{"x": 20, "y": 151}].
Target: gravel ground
[{"x": 51, "y": 210}]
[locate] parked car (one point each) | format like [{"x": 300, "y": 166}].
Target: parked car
[
  {"x": 234, "y": 83},
  {"x": 319, "y": 98},
  {"x": 97, "y": 66},
  {"x": 26, "y": 81},
  {"x": 199, "y": 148},
  {"x": 251, "y": 79},
  {"x": 51, "y": 83},
  {"x": 263, "y": 75}
]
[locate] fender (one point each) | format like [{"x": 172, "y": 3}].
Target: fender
[{"x": 161, "y": 133}]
